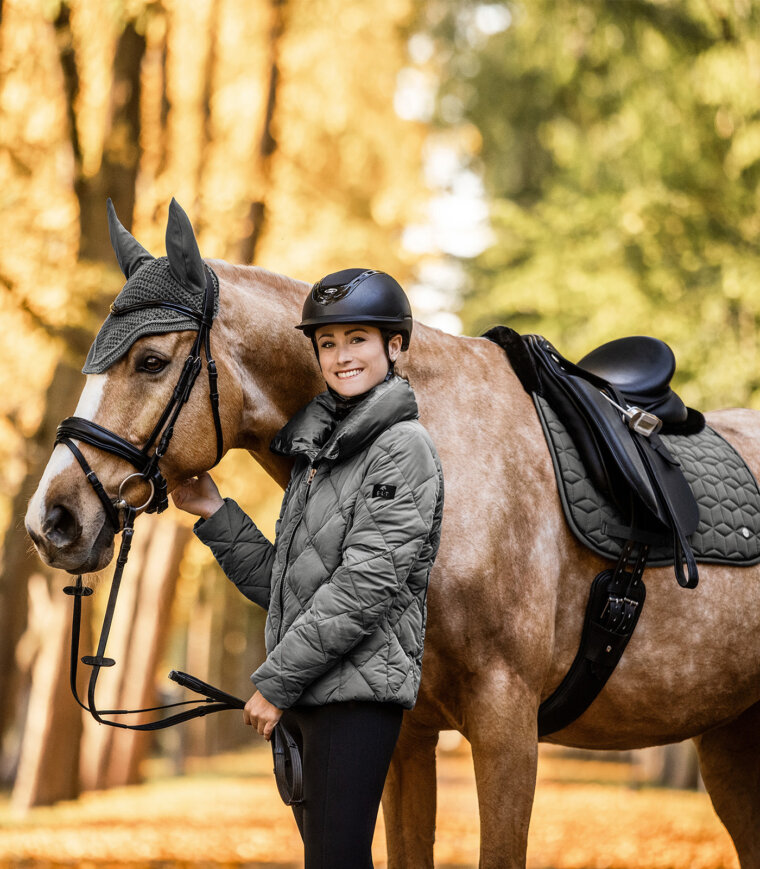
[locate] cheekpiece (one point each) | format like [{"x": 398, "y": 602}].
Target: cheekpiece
[{"x": 152, "y": 282}]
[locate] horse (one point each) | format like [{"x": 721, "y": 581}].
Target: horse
[{"x": 508, "y": 590}]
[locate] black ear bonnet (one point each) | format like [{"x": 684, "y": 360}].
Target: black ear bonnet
[{"x": 176, "y": 279}]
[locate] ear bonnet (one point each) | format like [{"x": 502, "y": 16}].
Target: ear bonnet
[{"x": 173, "y": 285}]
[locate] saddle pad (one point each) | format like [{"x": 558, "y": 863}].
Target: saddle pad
[{"x": 724, "y": 487}]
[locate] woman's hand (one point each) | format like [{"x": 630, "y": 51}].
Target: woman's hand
[
  {"x": 261, "y": 714},
  {"x": 198, "y": 496}
]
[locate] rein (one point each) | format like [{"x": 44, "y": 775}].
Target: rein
[{"x": 122, "y": 515}]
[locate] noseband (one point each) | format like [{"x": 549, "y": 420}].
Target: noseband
[{"x": 122, "y": 516}]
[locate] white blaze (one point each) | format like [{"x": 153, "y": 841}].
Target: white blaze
[{"x": 62, "y": 457}]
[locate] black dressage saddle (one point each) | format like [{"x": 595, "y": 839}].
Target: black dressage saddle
[{"x": 614, "y": 403}]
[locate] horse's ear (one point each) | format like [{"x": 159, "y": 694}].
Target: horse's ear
[
  {"x": 129, "y": 252},
  {"x": 182, "y": 249}
]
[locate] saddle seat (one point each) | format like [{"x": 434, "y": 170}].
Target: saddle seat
[{"x": 641, "y": 367}]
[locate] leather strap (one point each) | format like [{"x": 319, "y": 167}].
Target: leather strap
[
  {"x": 139, "y": 306},
  {"x": 612, "y": 612},
  {"x": 288, "y": 771},
  {"x": 288, "y": 768},
  {"x": 92, "y": 478}
]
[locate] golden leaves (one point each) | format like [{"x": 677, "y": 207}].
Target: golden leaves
[{"x": 587, "y": 815}]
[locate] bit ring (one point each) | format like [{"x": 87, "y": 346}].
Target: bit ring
[{"x": 121, "y": 502}]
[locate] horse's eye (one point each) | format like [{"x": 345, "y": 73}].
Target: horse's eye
[{"x": 152, "y": 364}]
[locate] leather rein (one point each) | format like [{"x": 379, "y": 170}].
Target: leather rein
[{"x": 122, "y": 514}]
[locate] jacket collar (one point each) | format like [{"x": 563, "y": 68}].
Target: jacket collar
[{"x": 313, "y": 430}]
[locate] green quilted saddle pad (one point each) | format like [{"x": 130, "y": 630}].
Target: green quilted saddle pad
[{"x": 723, "y": 485}]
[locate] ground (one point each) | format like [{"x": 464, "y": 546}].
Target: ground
[{"x": 227, "y": 813}]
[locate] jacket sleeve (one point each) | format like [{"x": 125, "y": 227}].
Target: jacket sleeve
[
  {"x": 379, "y": 550},
  {"x": 243, "y": 552}
]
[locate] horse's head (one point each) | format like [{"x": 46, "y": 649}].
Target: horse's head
[{"x": 133, "y": 368}]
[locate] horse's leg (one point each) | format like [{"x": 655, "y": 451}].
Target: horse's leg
[
  {"x": 502, "y": 730},
  {"x": 409, "y": 798},
  {"x": 729, "y": 757}
]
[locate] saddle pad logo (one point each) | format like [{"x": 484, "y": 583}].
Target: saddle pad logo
[{"x": 383, "y": 490}]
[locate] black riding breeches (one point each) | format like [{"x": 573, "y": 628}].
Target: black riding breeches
[{"x": 346, "y": 750}]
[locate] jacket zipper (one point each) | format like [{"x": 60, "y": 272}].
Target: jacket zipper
[{"x": 312, "y": 472}]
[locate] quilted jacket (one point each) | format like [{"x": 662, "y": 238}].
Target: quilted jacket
[{"x": 346, "y": 579}]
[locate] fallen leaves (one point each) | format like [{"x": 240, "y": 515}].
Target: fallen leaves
[{"x": 586, "y": 816}]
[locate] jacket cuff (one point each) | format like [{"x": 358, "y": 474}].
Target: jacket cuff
[
  {"x": 271, "y": 686},
  {"x": 209, "y": 528}
]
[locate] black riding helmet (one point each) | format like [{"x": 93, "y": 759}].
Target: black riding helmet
[{"x": 358, "y": 296}]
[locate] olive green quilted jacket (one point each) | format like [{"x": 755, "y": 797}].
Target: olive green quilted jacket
[{"x": 346, "y": 579}]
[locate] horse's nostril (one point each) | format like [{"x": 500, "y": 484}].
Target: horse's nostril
[{"x": 60, "y": 526}]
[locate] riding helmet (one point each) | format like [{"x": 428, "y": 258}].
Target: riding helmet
[{"x": 358, "y": 296}]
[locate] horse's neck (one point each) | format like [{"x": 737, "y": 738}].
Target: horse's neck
[
  {"x": 461, "y": 384},
  {"x": 272, "y": 369}
]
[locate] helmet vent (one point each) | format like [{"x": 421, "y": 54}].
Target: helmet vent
[{"x": 326, "y": 294}]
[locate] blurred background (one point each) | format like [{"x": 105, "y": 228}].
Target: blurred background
[{"x": 578, "y": 168}]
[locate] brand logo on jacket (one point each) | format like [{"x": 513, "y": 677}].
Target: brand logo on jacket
[{"x": 383, "y": 490}]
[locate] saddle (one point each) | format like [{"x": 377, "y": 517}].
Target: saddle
[{"x": 614, "y": 403}]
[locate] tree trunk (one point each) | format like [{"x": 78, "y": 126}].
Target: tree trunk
[
  {"x": 47, "y": 770},
  {"x": 248, "y": 244},
  {"x": 202, "y": 627},
  {"x": 120, "y": 160},
  {"x": 49, "y": 766},
  {"x": 18, "y": 563},
  {"x": 671, "y": 766}
]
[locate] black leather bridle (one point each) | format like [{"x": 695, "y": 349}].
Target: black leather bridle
[
  {"x": 147, "y": 464},
  {"x": 122, "y": 516}
]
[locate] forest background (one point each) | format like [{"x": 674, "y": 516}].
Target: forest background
[{"x": 581, "y": 169}]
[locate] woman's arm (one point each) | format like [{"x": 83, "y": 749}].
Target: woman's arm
[{"x": 379, "y": 551}]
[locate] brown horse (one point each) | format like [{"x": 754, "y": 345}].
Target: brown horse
[{"x": 507, "y": 593}]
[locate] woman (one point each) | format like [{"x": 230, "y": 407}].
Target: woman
[{"x": 345, "y": 582}]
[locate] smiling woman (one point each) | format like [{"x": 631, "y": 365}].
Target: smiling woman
[{"x": 345, "y": 582}]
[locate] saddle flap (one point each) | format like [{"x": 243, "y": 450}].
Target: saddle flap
[{"x": 616, "y": 442}]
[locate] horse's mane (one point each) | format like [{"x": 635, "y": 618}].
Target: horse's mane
[{"x": 252, "y": 276}]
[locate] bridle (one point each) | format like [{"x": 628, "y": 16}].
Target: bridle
[
  {"x": 147, "y": 464},
  {"x": 122, "y": 514}
]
